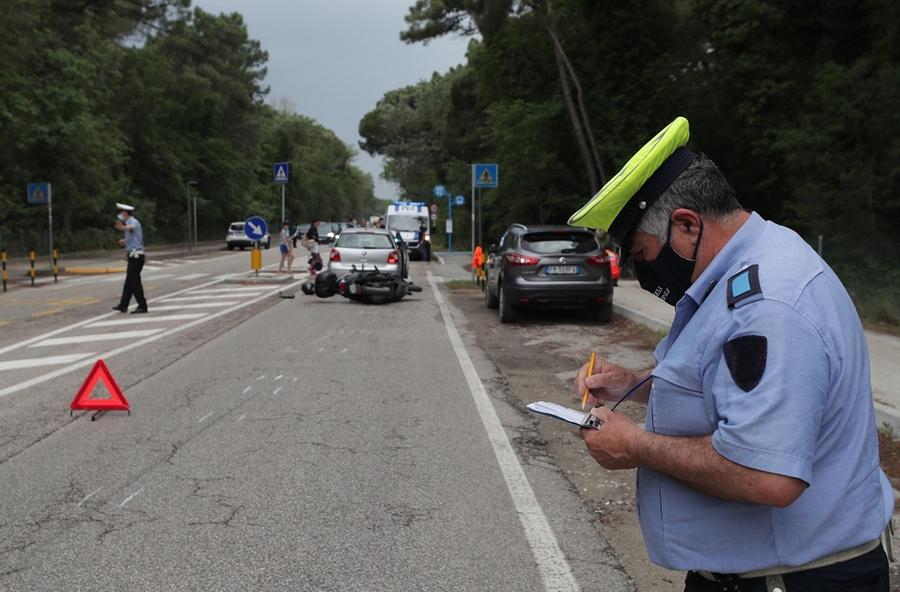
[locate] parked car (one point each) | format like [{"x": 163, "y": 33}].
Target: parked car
[
  {"x": 554, "y": 266},
  {"x": 368, "y": 248},
  {"x": 236, "y": 238}
]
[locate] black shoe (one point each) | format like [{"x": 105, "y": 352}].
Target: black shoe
[
  {"x": 120, "y": 309},
  {"x": 139, "y": 311}
]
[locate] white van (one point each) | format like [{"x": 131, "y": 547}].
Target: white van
[{"x": 406, "y": 218}]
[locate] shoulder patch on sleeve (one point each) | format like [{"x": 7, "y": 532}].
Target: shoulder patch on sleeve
[
  {"x": 746, "y": 359},
  {"x": 743, "y": 285}
]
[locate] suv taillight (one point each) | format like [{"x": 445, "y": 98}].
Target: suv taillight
[
  {"x": 393, "y": 258},
  {"x": 597, "y": 260},
  {"x": 335, "y": 255},
  {"x": 520, "y": 259}
]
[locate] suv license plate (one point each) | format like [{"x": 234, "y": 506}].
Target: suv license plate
[{"x": 561, "y": 269}]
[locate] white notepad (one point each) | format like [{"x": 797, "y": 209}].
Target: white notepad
[{"x": 573, "y": 416}]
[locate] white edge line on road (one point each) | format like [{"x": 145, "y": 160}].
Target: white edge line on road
[
  {"x": 246, "y": 390},
  {"x": 21, "y": 344},
  {"x": 106, "y": 355},
  {"x": 551, "y": 563},
  {"x": 275, "y": 392},
  {"x": 205, "y": 417}
]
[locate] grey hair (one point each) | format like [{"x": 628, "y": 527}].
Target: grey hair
[{"x": 701, "y": 188}]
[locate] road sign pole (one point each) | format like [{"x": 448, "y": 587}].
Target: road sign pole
[
  {"x": 450, "y": 217},
  {"x": 50, "y": 222},
  {"x": 196, "y": 239},
  {"x": 473, "y": 208},
  {"x": 282, "y": 205},
  {"x": 480, "y": 217}
]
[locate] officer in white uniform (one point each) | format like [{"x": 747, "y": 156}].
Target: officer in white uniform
[
  {"x": 134, "y": 255},
  {"x": 758, "y": 465}
]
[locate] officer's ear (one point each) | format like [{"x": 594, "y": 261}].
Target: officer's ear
[{"x": 686, "y": 222}]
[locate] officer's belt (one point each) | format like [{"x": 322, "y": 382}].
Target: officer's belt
[
  {"x": 135, "y": 253},
  {"x": 838, "y": 557}
]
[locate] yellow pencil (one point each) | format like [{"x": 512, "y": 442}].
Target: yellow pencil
[{"x": 584, "y": 397}]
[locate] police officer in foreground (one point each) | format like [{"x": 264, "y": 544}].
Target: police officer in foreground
[
  {"x": 758, "y": 465},
  {"x": 134, "y": 255}
]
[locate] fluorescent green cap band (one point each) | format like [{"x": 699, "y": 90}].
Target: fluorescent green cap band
[{"x": 601, "y": 211}]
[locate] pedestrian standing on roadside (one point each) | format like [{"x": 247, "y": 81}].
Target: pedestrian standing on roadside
[
  {"x": 133, "y": 242},
  {"x": 286, "y": 247},
  {"x": 758, "y": 464},
  {"x": 312, "y": 243}
]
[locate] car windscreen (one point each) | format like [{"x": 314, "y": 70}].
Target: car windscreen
[
  {"x": 547, "y": 243},
  {"x": 364, "y": 240},
  {"x": 404, "y": 223},
  {"x": 239, "y": 227}
]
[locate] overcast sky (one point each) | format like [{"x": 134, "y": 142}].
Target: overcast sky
[{"x": 335, "y": 58}]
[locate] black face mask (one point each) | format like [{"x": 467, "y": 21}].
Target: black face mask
[{"x": 669, "y": 275}]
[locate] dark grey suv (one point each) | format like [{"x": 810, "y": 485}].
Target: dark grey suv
[{"x": 558, "y": 266}]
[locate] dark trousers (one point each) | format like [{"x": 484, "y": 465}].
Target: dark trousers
[
  {"x": 866, "y": 573},
  {"x": 133, "y": 286}
]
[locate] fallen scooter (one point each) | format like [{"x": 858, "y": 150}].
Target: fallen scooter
[{"x": 371, "y": 287}]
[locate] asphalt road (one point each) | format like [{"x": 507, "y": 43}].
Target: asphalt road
[{"x": 277, "y": 444}]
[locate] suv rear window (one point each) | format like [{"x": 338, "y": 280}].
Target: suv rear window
[
  {"x": 238, "y": 227},
  {"x": 561, "y": 241},
  {"x": 362, "y": 240}
]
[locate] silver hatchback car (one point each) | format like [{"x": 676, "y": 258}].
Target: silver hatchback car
[{"x": 368, "y": 248}]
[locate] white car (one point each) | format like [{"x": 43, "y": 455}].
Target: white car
[
  {"x": 368, "y": 248},
  {"x": 237, "y": 238}
]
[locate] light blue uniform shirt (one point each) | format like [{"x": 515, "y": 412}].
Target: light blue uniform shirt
[
  {"x": 810, "y": 416},
  {"x": 134, "y": 238}
]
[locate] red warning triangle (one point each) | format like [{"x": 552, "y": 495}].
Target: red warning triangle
[{"x": 83, "y": 399}]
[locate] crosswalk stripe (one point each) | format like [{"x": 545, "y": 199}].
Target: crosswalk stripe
[
  {"x": 187, "y": 306},
  {"x": 212, "y": 297},
  {"x": 96, "y": 337},
  {"x": 142, "y": 319},
  {"x": 227, "y": 290},
  {"x": 48, "y": 361},
  {"x": 192, "y": 276}
]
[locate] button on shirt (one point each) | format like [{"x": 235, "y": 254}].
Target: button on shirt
[
  {"x": 810, "y": 416},
  {"x": 134, "y": 236}
]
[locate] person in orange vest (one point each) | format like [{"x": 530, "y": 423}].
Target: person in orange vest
[{"x": 477, "y": 260}]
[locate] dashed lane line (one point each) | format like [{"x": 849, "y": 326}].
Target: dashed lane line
[
  {"x": 131, "y": 497},
  {"x": 107, "y": 355}
]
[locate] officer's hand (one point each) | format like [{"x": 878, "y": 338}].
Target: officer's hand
[
  {"x": 608, "y": 382},
  {"x": 119, "y": 225},
  {"x": 121, "y": 242},
  {"x": 614, "y": 444}
]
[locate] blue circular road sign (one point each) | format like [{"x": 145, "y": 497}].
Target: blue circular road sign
[
  {"x": 255, "y": 228},
  {"x": 460, "y": 200},
  {"x": 440, "y": 191}
]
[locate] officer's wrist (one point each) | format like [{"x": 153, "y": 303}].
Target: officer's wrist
[{"x": 637, "y": 446}]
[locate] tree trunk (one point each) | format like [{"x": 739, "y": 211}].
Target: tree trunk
[
  {"x": 576, "y": 124},
  {"x": 585, "y": 119}
]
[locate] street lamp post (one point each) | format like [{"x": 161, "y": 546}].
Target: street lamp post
[{"x": 192, "y": 219}]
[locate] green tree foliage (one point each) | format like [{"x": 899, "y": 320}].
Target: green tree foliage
[
  {"x": 798, "y": 103},
  {"x": 130, "y": 100}
]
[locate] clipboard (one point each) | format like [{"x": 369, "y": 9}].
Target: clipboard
[{"x": 573, "y": 416}]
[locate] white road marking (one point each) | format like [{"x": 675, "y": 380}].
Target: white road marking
[
  {"x": 31, "y": 340},
  {"x": 205, "y": 417},
  {"x": 48, "y": 361},
  {"x": 279, "y": 377},
  {"x": 275, "y": 392},
  {"x": 246, "y": 390},
  {"x": 131, "y": 497},
  {"x": 157, "y": 276},
  {"x": 228, "y": 290},
  {"x": 194, "y": 306},
  {"x": 551, "y": 563},
  {"x": 241, "y": 418},
  {"x": 53, "y": 341},
  {"x": 125, "y": 348},
  {"x": 139, "y": 320},
  {"x": 321, "y": 349},
  {"x": 261, "y": 378},
  {"x": 295, "y": 378},
  {"x": 90, "y": 495},
  {"x": 191, "y": 276},
  {"x": 343, "y": 351},
  {"x": 212, "y": 297}
]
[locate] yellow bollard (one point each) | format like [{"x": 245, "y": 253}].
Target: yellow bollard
[
  {"x": 32, "y": 255},
  {"x": 5, "y": 273},
  {"x": 55, "y": 266},
  {"x": 256, "y": 260}
]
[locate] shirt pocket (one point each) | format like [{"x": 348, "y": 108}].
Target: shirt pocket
[{"x": 678, "y": 406}]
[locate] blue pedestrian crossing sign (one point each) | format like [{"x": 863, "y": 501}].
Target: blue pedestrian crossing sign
[
  {"x": 39, "y": 193},
  {"x": 460, "y": 200},
  {"x": 281, "y": 173},
  {"x": 486, "y": 176},
  {"x": 256, "y": 228}
]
